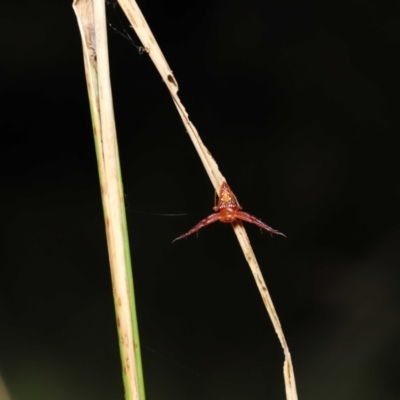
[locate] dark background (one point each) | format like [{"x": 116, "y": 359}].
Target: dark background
[{"x": 298, "y": 103}]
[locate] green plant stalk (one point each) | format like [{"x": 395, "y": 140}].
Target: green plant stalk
[
  {"x": 132, "y": 302},
  {"x": 92, "y": 25}
]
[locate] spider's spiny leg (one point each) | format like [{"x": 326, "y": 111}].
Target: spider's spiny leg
[
  {"x": 253, "y": 220},
  {"x": 206, "y": 221}
]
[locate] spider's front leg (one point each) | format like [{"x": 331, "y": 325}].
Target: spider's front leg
[
  {"x": 206, "y": 221},
  {"x": 253, "y": 220}
]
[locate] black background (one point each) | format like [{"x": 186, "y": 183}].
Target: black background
[{"x": 298, "y": 103}]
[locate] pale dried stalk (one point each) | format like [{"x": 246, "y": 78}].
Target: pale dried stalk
[
  {"x": 93, "y": 28},
  {"x": 4, "y": 395},
  {"x": 139, "y": 24}
]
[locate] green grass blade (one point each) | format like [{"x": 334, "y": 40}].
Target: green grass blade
[{"x": 93, "y": 29}]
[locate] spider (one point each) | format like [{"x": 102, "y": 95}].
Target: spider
[{"x": 228, "y": 210}]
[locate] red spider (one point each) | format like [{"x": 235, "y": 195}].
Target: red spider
[{"x": 228, "y": 211}]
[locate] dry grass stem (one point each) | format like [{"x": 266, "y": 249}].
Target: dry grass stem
[
  {"x": 139, "y": 24},
  {"x": 93, "y": 28}
]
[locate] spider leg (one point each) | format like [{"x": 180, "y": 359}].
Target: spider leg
[
  {"x": 253, "y": 220},
  {"x": 206, "y": 221}
]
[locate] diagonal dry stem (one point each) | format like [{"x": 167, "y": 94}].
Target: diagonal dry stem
[{"x": 144, "y": 33}]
